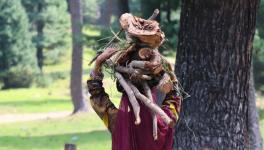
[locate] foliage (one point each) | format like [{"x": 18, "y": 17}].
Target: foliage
[
  {"x": 258, "y": 63},
  {"x": 260, "y": 20},
  {"x": 258, "y": 55},
  {"x": 91, "y": 11},
  {"x": 17, "y": 56},
  {"x": 53, "y": 16}
]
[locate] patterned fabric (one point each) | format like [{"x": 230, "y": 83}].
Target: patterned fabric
[
  {"x": 172, "y": 104},
  {"x": 100, "y": 102},
  {"x": 125, "y": 134}
]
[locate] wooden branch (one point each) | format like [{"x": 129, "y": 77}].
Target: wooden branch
[
  {"x": 155, "y": 126},
  {"x": 145, "y": 53},
  {"x": 147, "y": 91},
  {"x": 169, "y": 69},
  {"x": 165, "y": 84},
  {"x": 134, "y": 73},
  {"x": 154, "y": 65},
  {"x": 128, "y": 37},
  {"x": 123, "y": 55},
  {"x": 154, "y": 15},
  {"x": 131, "y": 96},
  {"x": 152, "y": 106},
  {"x": 137, "y": 64},
  {"x": 103, "y": 57}
]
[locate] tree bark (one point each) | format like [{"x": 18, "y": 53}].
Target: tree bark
[
  {"x": 106, "y": 11},
  {"x": 77, "y": 57},
  {"x": 213, "y": 65},
  {"x": 168, "y": 10},
  {"x": 123, "y": 7},
  {"x": 255, "y": 139},
  {"x": 40, "y": 26}
]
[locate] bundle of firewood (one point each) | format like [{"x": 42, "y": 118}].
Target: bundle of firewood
[{"x": 138, "y": 65}]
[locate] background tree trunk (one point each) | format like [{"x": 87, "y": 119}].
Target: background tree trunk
[
  {"x": 213, "y": 65},
  {"x": 168, "y": 10},
  {"x": 106, "y": 11},
  {"x": 123, "y": 7},
  {"x": 77, "y": 56},
  {"x": 40, "y": 26},
  {"x": 255, "y": 140}
]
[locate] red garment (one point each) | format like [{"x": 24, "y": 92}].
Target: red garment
[{"x": 128, "y": 136}]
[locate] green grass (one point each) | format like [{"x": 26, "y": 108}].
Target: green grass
[
  {"x": 33, "y": 100},
  {"x": 261, "y": 121},
  {"x": 86, "y": 131}
]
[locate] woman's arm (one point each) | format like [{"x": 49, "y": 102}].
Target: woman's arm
[
  {"x": 101, "y": 103},
  {"x": 99, "y": 99}
]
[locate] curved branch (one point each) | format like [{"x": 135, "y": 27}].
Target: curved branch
[
  {"x": 165, "y": 84},
  {"x": 131, "y": 96},
  {"x": 154, "y": 117}
]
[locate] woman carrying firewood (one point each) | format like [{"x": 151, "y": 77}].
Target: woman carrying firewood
[{"x": 139, "y": 123}]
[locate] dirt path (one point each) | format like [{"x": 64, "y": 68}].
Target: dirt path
[{"x": 9, "y": 118}]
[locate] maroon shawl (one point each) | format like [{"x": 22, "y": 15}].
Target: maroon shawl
[{"x": 128, "y": 136}]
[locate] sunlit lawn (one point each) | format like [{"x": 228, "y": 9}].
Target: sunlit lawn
[{"x": 86, "y": 131}]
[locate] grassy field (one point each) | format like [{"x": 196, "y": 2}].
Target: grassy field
[{"x": 85, "y": 130}]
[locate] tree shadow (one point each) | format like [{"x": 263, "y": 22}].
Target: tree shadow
[
  {"x": 33, "y": 103},
  {"x": 93, "y": 139}
]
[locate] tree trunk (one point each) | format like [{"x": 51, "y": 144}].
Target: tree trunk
[
  {"x": 123, "y": 7},
  {"x": 40, "y": 57},
  {"x": 40, "y": 26},
  {"x": 255, "y": 140},
  {"x": 168, "y": 15},
  {"x": 77, "y": 57},
  {"x": 213, "y": 65},
  {"x": 106, "y": 11}
]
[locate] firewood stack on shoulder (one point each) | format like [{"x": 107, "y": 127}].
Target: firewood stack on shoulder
[{"x": 138, "y": 66}]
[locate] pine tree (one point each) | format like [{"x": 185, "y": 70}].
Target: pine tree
[
  {"x": 17, "y": 56},
  {"x": 50, "y": 24},
  {"x": 77, "y": 52}
]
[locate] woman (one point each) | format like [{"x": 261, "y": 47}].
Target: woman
[
  {"x": 126, "y": 135},
  {"x": 120, "y": 122}
]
